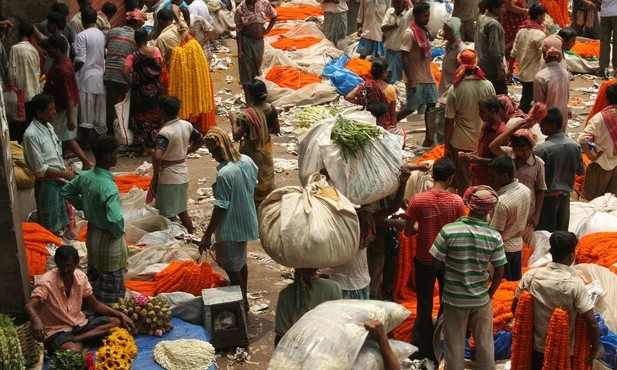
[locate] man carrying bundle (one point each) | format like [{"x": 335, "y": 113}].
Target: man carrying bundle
[{"x": 557, "y": 285}]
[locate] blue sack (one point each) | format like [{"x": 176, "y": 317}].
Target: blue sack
[
  {"x": 343, "y": 80},
  {"x": 503, "y": 346}
]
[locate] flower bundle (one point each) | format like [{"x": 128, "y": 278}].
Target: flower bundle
[
  {"x": 579, "y": 179},
  {"x": 190, "y": 81},
  {"x": 522, "y": 340},
  {"x": 278, "y": 31},
  {"x": 589, "y": 49},
  {"x": 11, "y": 356},
  {"x": 597, "y": 248},
  {"x": 558, "y": 10},
  {"x": 502, "y": 305},
  {"x": 285, "y": 43},
  {"x": 557, "y": 350},
  {"x": 117, "y": 351},
  {"x": 36, "y": 237},
  {"x": 361, "y": 67},
  {"x": 434, "y": 154},
  {"x": 285, "y": 76},
  {"x": 151, "y": 316},
  {"x": 601, "y": 101},
  {"x": 297, "y": 12},
  {"x": 436, "y": 72},
  {"x": 582, "y": 345},
  {"x": 126, "y": 182}
]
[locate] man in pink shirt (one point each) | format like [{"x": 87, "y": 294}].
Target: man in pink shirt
[
  {"x": 432, "y": 210},
  {"x": 55, "y": 307}
]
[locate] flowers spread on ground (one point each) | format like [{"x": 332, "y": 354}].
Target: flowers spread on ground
[{"x": 117, "y": 351}]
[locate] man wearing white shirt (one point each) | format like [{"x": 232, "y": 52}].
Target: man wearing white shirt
[
  {"x": 199, "y": 7},
  {"x": 90, "y": 69},
  {"x": 395, "y": 22}
]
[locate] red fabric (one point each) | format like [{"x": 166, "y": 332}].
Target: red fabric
[
  {"x": 62, "y": 84},
  {"x": 467, "y": 60},
  {"x": 528, "y": 23},
  {"x": 511, "y": 23},
  {"x": 488, "y": 134},
  {"x": 369, "y": 91},
  {"x": 432, "y": 210},
  {"x": 609, "y": 115},
  {"x": 422, "y": 38}
]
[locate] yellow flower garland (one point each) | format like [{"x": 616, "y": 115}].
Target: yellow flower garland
[{"x": 117, "y": 351}]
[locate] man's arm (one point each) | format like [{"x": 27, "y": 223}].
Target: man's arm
[
  {"x": 32, "y": 309},
  {"x": 411, "y": 85},
  {"x": 215, "y": 221},
  {"x": 496, "y": 49},
  {"x": 496, "y": 280},
  {"x": 589, "y": 134},
  {"x": 157, "y": 159},
  {"x": 238, "y": 131},
  {"x": 378, "y": 333},
  {"x": 103, "y": 309},
  {"x": 270, "y": 25},
  {"x": 495, "y": 145},
  {"x": 72, "y": 193}
]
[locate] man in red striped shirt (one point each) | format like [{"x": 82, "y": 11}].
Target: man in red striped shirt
[{"x": 431, "y": 210}]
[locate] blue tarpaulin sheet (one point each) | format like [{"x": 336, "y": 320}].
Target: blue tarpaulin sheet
[
  {"x": 341, "y": 78},
  {"x": 145, "y": 344}
]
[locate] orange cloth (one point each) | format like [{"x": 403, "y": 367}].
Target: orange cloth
[
  {"x": 297, "y": 12},
  {"x": 285, "y": 43},
  {"x": 589, "y": 49},
  {"x": 290, "y": 77},
  {"x": 361, "y": 67},
  {"x": 126, "y": 182}
]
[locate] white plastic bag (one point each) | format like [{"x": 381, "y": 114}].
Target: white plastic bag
[
  {"x": 597, "y": 215},
  {"x": 307, "y": 227},
  {"x": 605, "y": 305},
  {"x": 121, "y": 125},
  {"x": 540, "y": 244},
  {"x": 419, "y": 181},
  {"x": 330, "y": 336},
  {"x": 134, "y": 206},
  {"x": 370, "y": 357}
]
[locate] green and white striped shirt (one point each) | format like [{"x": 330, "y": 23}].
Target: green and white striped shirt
[{"x": 467, "y": 246}]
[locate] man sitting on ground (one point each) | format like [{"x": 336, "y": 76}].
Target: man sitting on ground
[{"x": 55, "y": 307}]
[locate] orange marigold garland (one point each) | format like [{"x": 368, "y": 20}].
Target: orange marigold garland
[
  {"x": 361, "y": 67},
  {"x": 126, "y": 182},
  {"x": 285, "y": 43},
  {"x": 522, "y": 340},
  {"x": 598, "y": 248},
  {"x": 557, "y": 349},
  {"x": 590, "y": 49},
  {"x": 36, "y": 238},
  {"x": 582, "y": 345},
  {"x": 285, "y": 76},
  {"x": 558, "y": 10},
  {"x": 436, "y": 72},
  {"x": 297, "y": 12}
]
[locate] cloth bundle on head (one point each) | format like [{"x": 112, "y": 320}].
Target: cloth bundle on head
[
  {"x": 527, "y": 134},
  {"x": 551, "y": 46},
  {"x": 480, "y": 198},
  {"x": 468, "y": 60},
  {"x": 509, "y": 107},
  {"x": 137, "y": 16},
  {"x": 454, "y": 24},
  {"x": 221, "y": 139}
]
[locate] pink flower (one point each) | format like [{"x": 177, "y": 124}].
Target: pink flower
[{"x": 142, "y": 300}]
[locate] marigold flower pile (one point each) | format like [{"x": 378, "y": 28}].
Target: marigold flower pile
[
  {"x": 297, "y": 12},
  {"x": 36, "y": 237},
  {"x": 285, "y": 76},
  {"x": 361, "y": 67},
  {"x": 522, "y": 340},
  {"x": 558, "y": 10},
  {"x": 289, "y": 43},
  {"x": 126, "y": 182},
  {"x": 590, "y": 49},
  {"x": 117, "y": 351}
]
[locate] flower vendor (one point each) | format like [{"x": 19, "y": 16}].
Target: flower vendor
[
  {"x": 97, "y": 195},
  {"x": 557, "y": 285},
  {"x": 43, "y": 154},
  {"x": 55, "y": 307},
  {"x": 234, "y": 218},
  {"x": 171, "y": 35},
  {"x": 250, "y": 17},
  {"x": 174, "y": 141},
  {"x": 466, "y": 248}
]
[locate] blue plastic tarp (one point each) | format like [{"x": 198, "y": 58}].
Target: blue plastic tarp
[
  {"x": 341, "y": 78},
  {"x": 145, "y": 344}
]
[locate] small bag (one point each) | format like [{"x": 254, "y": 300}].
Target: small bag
[{"x": 14, "y": 104}]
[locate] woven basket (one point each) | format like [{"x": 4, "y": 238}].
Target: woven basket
[{"x": 30, "y": 348}]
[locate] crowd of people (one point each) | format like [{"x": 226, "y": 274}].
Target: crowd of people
[{"x": 513, "y": 168}]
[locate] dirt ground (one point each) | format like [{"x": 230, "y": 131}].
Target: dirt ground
[{"x": 267, "y": 278}]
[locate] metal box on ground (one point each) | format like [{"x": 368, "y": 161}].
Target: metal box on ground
[{"x": 224, "y": 316}]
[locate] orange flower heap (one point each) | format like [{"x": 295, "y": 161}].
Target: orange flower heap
[
  {"x": 522, "y": 341},
  {"x": 290, "y": 77},
  {"x": 285, "y": 43},
  {"x": 36, "y": 238}
]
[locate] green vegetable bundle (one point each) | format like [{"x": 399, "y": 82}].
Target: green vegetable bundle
[
  {"x": 312, "y": 114},
  {"x": 11, "y": 357},
  {"x": 353, "y": 136},
  {"x": 67, "y": 359}
]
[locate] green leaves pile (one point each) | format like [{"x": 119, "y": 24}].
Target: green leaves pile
[
  {"x": 312, "y": 114},
  {"x": 353, "y": 136},
  {"x": 11, "y": 357},
  {"x": 67, "y": 359}
]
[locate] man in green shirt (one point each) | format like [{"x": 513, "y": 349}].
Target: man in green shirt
[{"x": 95, "y": 193}]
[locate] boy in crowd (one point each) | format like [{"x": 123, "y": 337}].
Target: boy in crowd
[
  {"x": 563, "y": 160},
  {"x": 568, "y": 36},
  {"x": 370, "y": 18},
  {"x": 432, "y": 210},
  {"x": 557, "y": 285},
  {"x": 511, "y": 212},
  {"x": 551, "y": 85},
  {"x": 395, "y": 22},
  {"x": 599, "y": 142}
]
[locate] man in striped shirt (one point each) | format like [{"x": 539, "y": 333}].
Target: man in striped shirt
[{"x": 466, "y": 247}]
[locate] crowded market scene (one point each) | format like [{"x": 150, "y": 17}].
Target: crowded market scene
[{"x": 413, "y": 184}]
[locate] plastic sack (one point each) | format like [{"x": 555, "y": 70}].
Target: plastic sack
[
  {"x": 306, "y": 345},
  {"x": 163, "y": 236},
  {"x": 370, "y": 357},
  {"x": 309, "y": 227},
  {"x": 159, "y": 255},
  {"x": 134, "y": 206},
  {"x": 341, "y": 78},
  {"x": 123, "y": 134},
  {"x": 419, "y": 181},
  {"x": 185, "y": 306},
  {"x": 597, "y": 215},
  {"x": 14, "y": 104},
  {"x": 24, "y": 178},
  {"x": 605, "y": 304},
  {"x": 540, "y": 244},
  {"x": 440, "y": 12},
  {"x": 577, "y": 64}
]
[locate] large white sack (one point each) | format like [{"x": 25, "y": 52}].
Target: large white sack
[
  {"x": 330, "y": 336},
  {"x": 440, "y": 12},
  {"x": 158, "y": 254},
  {"x": 134, "y": 206},
  {"x": 419, "y": 181},
  {"x": 370, "y": 357},
  {"x": 540, "y": 244},
  {"x": 306, "y": 228},
  {"x": 605, "y": 305},
  {"x": 597, "y": 215}
]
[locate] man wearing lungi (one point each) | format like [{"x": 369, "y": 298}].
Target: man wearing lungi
[
  {"x": 43, "y": 154},
  {"x": 250, "y": 17}
]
